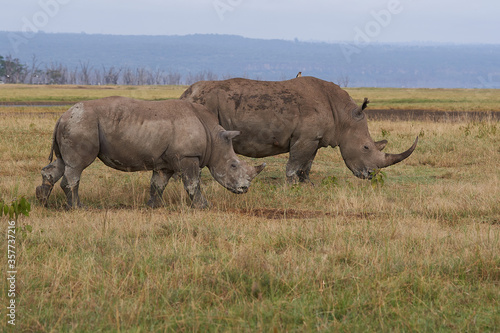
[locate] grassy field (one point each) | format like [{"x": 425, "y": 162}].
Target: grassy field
[
  {"x": 69, "y": 93},
  {"x": 430, "y": 99},
  {"x": 420, "y": 253},
  {"x": 381, "y": 98}
]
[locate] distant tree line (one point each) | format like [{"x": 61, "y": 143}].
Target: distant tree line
[{"x": 13, "y": 71}]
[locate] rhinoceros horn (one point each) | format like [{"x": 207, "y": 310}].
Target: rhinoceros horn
[
  {"x": 255, "y": 170},
  {"x": 259, "y": 168},
  {"x": 390, "y": 159}
]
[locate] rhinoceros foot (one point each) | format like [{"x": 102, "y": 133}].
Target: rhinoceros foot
[
  {"x": 201, "y": 205},
  {"x": 75, "y": 206},
  {"x": 300, "y": 177},
  {"x": 42, "y": 193},
  {"x": 154, "y": 203},
  {"x": 198, "y": 201}
]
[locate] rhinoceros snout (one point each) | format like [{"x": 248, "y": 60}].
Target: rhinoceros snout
[
  {"x": 239, "y": 190},
  {"x": 367, "y": 174},
  {"x": 363, "y": 174}
]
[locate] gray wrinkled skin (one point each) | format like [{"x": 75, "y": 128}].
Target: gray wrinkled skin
[
  {"x": 298, "y": 116},
  {"x": 131, "y": 135}
]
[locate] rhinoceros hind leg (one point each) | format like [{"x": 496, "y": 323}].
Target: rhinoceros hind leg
[
  {"x": 190, "y": 169},
  {"x": 300, "y": 161},
  {"x": 50, "y": 175},
  {"x": 70, "y": 183},
  {"x": 159, "y": 181}
]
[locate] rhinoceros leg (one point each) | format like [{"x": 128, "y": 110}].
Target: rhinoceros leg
[
  {"x": 79, "y": 147},
  {"x": 300, "y": 161},
  {"x": 303, "y": 173},
  {"x": 50, "y": 175},
  {"x": 159, "y": 181},
  {"x": 70, "y": 183},
  {"x": 190, "y": 170}
]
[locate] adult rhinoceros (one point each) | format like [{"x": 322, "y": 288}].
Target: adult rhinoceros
[
  {"x": 132, "y": 135},
  {"x": 297, "y": 116}
]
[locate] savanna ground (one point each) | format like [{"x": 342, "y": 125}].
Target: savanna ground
[{"x": 420, "y": 252}]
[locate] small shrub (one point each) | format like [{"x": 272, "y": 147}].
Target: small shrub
[
  {"x": 378, "y": 178},
  {"x": 329, "y": 181},
  {"x": 15, "y": 208}
]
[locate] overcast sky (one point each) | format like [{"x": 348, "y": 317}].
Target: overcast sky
[{"x": 453, "y": 21}]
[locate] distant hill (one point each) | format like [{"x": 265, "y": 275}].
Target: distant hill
[{"x": 223, "y": 56}]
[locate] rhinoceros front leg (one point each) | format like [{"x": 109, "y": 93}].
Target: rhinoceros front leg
[
  {"x": 190, "y": 170},
  {"x": 159, "y": 181},
  {"x": 300, "y": 161},
  {"x": 50, "y": 175}
]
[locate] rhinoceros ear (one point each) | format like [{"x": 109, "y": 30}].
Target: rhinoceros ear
[
  {"x": 357, "y": 113},
  {"x": 229, "y": 135},
  {"x": 365, "y": 104},
  {"x": 381, "y": 144}
]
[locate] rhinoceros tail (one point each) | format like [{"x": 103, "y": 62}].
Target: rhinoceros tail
[
  {"x": 51, "y": 156},
  {"x": 54, "y": 143}
]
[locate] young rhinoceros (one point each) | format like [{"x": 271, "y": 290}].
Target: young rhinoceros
[{"x": 133, "y": 135}]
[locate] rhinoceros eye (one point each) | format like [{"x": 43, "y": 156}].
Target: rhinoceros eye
[
  {"x": 234, "y": 165},
  {"x": 366, "y": 148}
]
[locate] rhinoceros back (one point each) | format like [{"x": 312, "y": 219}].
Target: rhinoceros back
[{"x": 138, "y": 135}]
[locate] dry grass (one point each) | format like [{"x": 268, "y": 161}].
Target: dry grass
[{"x": 421, "y": 253}]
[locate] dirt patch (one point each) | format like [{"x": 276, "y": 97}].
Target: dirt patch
[
  {"x": 373, "y": 114},
  {"x": 429, "y": 115},
  {"x": 280, "y": 214}
]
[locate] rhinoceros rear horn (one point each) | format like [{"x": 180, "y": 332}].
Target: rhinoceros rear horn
[
  {"x": 391, "y": 159},
  {"x": 229, "y": 135}
]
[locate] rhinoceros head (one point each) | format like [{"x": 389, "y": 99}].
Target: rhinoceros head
[
  {"x": 225, "y": 166},
  {"x": 360, "y": 153}
]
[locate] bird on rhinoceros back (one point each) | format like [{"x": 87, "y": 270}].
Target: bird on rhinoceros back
[
  {"x": 133, "y": 135},
  {"x": 296, "y": 117}
]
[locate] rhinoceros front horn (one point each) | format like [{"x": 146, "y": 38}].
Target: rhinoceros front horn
[
  {"x": 391, "y": 159},
  {"x": 258, "y": 169},
  {"x": 254, "y": 171}
]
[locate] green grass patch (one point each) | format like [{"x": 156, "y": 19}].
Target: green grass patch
[{"x": 73, "y": 93}]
